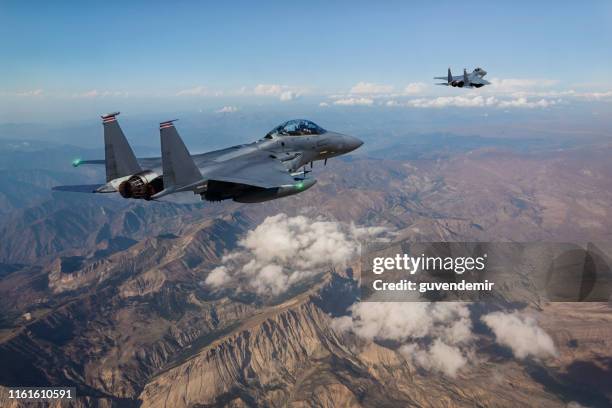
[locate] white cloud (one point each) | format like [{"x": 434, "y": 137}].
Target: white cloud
[
  {"x": 198, "y": 91},
  {"x": 477, "y": 102},
  {"x": 227, "y": 109},
  {"x": 354, "y": 102},
  {"x": 595, "y": 96},
  {"x": 415, "y": 88},
  {"x": 508, "y": 85},
  {"x": 370, "y": 88},
  {"x": 289, "y": 95},
  {"x": 455, "y": 101},
  {"x": 34, "y": 92},
  {"x": 393, "y": 102},
  {"x": 88, "y": 94},
  {"x": 94, "y": 93},
  {"x": 283, "y": 92},
  {"x": 404, "y": 321},
  {"x": 323, "y": 104},
  {"x": 521, "y": 334},
  {"x": 218, "y": 277},
  {"x": 268, "y": 89},
  {"x": 525, "y": 103},
  {"x": 437, "y": 336},
  {"x": 438, "y": 357},
  {"x": 284, "y": 250}
]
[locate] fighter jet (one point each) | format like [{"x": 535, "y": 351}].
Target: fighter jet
[
  {"x": 471, "y": 80},
  {"x": 260, "y": 171}
]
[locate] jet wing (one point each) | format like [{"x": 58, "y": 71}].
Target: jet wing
[
  {"x": 257, "y": 168},
  {"x": 479, "y": 81},
  {"x": 455, "y": 78}
]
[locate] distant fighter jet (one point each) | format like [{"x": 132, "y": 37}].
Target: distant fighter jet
[
  {"x": 263, "y": 170},
  {"x": 471, "y": 80}
]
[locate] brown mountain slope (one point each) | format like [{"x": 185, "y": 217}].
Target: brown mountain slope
[{"x": 117, "y": 305}]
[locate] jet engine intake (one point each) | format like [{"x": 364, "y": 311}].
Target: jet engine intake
[{"x": 142, "y": 185}]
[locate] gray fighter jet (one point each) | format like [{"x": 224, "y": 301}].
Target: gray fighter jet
[
  {"x": 471, "y": 80},
  {"x": 263, "y": 170}
]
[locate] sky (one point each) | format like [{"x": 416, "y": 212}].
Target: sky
[{"x": 67, "y": 59}]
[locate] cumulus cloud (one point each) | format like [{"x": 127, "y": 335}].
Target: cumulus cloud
[
  {"x": 521, "y": 334},
  {"x": 284, "y": 250},
  {"x": 198, "y": 91},
  {"x": 402, "y": 321},
  {"x": 218, "y": 277},
  {"x": 354, "y": 102},
  {"x": 283, "y": 92},
  {"x": 437, "y": 335},
  {"x": 268, "y": 89},
  {"x": 323, "y": 104},
  {"x": 34, "y": 92},
  {"x": 227, "y": 109},
  {"x": 370, "y": 88},
  {"x": 415, "y": 88},
  {"x": 438, "y": 357},
  {"x": 289, "y": 95}
]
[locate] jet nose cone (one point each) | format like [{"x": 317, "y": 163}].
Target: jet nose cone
[{"x": 351, "y": 143}]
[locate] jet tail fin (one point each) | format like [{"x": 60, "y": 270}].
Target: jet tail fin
[
  {"x": 450, "y": 76},
  {"x": 178, "y": 166},
  {"x": 118, "y": 155},
  {"x": 465, "y": 77}
]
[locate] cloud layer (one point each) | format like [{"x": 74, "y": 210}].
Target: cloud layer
[{"x": 506, "y": 93}]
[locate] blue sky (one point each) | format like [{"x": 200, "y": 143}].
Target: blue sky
[{"x": 62, "y": 57}]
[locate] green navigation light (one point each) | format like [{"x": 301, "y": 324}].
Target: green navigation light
[
  {"x": 300, "y": 185},
  {"x": 76, "y": 162}
]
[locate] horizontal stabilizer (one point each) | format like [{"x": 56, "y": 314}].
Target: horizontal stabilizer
[
  {"x": 178, "y": 167},
  {"x": 82, "y": 188}
]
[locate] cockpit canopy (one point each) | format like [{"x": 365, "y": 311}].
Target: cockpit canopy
[{"x": 296, "y": 127}]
